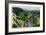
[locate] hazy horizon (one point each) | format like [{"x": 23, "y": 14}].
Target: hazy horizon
[{"x": 29, "y": 8}]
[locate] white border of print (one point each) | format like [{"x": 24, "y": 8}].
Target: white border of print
[{"x": 10, "y": 29}]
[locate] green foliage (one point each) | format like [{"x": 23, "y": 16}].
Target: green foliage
[
  {"x": 17, "y": 22},
  {"x": 17, "y": 10},
  {"x": 24, "y": 16},
  {"x": 14, "y": 25},
  {"x": 35, "y": 21}
]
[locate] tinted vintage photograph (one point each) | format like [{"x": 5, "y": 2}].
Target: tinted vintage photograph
[{"x": 25, "y": 16}]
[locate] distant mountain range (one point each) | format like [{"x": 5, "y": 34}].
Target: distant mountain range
[{"x": 17, "y": 10}]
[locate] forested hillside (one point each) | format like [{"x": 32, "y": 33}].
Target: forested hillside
[{"x": 25, "y": 18}]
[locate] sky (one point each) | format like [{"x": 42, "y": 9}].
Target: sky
[{"x": 30, "y": 8}]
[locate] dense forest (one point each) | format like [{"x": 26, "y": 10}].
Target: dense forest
[{"x": 25, "y": 18}]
